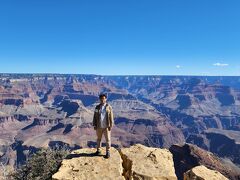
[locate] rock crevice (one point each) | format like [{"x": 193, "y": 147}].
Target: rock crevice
[{"x": 127, "y": 166}]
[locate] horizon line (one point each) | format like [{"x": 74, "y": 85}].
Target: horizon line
[{"x": 91, "y": 74}]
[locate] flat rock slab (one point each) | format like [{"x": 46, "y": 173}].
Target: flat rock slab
[
  {"x": 141, "y": 162},
  {"x": 82, "y": 164}
]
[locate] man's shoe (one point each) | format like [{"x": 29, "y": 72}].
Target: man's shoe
[
  {"x": 107, "y": 154},
  {"x": 97, "y": 153}
]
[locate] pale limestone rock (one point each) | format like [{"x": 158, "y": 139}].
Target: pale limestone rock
[
  {"x": 141, "y": 162},
  {"x": 203, "y": 173},
  {"x": 85, "y": 166}
]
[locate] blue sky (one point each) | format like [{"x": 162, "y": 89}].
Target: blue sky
[{"x": 165, "y": 37}]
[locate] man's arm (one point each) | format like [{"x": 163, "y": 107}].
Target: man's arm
[
  {"x": 94, "y": 123},
  {"x": 111, "y": 118}
]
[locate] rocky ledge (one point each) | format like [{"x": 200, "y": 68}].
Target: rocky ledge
[
  {"x": 201, "y": 172},
  {"x": 136, "y": 162}
]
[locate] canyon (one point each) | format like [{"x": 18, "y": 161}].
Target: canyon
[{"x": 173, "y": 112}]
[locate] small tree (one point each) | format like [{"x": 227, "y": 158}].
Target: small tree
[{"x": 41, "y": 165}]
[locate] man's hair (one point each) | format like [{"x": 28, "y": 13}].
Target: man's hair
[{"x": 102, "y": 95}]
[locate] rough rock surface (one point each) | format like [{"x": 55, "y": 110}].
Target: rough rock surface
[
  {"x": 136, "y": 162},
  {"x": 203, "y": 173},
  {"x": 83, "y": 164},
  {"x": 141, "y": 162}
]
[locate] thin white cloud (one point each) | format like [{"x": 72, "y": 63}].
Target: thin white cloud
[
  {"x": 178, "y": 66},
  {"x": 220, "y": 64},
  {"x": 205, "y": 73}
]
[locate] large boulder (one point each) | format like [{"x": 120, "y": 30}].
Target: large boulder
[
  {"x": 203, "y": 173},
  {"x": 83, "y": 164},
  {"x": 141, "y": 162}
]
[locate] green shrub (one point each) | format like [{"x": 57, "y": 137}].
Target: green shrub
[{"x": 41, "y": 165}]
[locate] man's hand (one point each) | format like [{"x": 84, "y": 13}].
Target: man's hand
[
  {"x": 95, "y": 128},
  {"x": 109, "y": 128}
]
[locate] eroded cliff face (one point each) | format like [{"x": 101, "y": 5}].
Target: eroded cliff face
[
  {"x": 41, "y": 110},
  {"x": 224, "y": 143},
  {"x": 188, "y": 156},
  {"x": 136, "y": 162}
]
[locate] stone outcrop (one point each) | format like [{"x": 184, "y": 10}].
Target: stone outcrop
[
  {"x": 136, "y": 162},
  {"x": 203, "y": 173},
  {"x": 141, "y": 162},
  {"x": 83, "y": 164}
]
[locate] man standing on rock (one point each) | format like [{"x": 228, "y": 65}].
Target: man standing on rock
[{"x": 103, "y": 122}]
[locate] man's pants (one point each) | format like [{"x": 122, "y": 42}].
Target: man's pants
[{"x": 107, "y": 135}]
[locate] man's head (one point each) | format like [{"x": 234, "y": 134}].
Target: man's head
[{"x": 103, "y": 98}]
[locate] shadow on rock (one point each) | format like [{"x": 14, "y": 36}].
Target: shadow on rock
[{"x": 71, "y": 156}]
